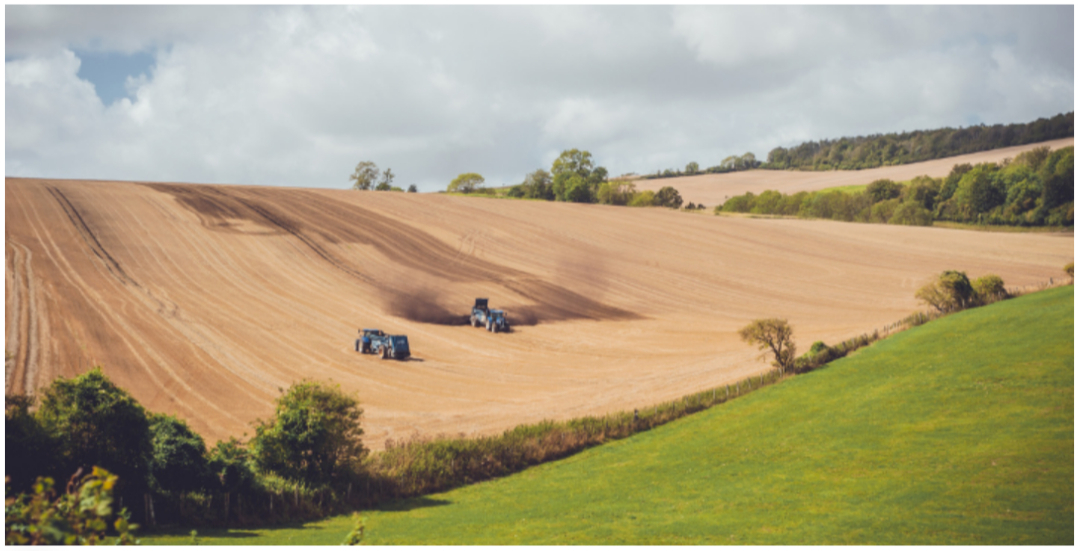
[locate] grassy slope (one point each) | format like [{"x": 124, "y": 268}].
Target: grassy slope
[{"x": 960, "y": 431}]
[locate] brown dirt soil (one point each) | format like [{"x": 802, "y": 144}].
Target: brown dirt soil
[
  {"x": 714, "y": 189},
  {"x": 205, "y": 300}
]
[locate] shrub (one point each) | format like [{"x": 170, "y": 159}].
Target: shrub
[
  {"x": 179, "y": 461},
  {"x": 989, "y": 288},
  {"x": 950, "y": 291},
  {"x": 99, "y": 425},
  {"x": 314, "y": 435},
  {"x": 79, "y": 516},
  {"x": 644, "y": 199},
  {"x": 669, "y": 197},
  {"x": 882, "y": 212},
  {"x": 1069, "y": 270},
  {"x": 911, "y": 213},
  {"x": 883, "y": 190},
  {"x": 30, "y": 450}
]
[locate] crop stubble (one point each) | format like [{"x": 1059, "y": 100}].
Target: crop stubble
[{"x": 204, "y": 301}]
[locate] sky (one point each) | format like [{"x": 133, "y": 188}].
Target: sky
[{"x": 298, "y": 95}]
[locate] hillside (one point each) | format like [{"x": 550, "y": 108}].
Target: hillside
[
  {"x": 204, "y": 301},
  {"x": 956, "y": 432},
  {"x": 714, "y": 189}
]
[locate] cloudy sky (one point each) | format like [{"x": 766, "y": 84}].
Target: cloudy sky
[{"x": 297, "y": 96}]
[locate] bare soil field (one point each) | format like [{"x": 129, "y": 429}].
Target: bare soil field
[
  {"x": 714, "y": 189},
  {"x": 204, "y": 300}
]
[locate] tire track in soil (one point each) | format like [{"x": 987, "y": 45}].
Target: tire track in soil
[{"x": 320, "y": 223}]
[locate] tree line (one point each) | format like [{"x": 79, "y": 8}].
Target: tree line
[
  {"x": 1033, "y": 189},
  {"x": 854, "y": 153}
]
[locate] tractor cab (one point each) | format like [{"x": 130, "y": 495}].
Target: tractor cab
[{"x": 481, "y": 304}]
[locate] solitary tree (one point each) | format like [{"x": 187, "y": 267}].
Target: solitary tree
[
  {"x": 364, "y": 175},
  {"x": 950, "y": 291},
  {"x": 771, "y": 335},
  {"x": 387, "y": 179},
  {"x": 466, "y": 183},
  {"x": 669, "y": 197},
  {"x": 412, "y": 188},
  {"x": 315, "y": 432},
  {"x": 692, "y": 168}
]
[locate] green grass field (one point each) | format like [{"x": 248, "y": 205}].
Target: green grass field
[{"x": 956, "y": 432}]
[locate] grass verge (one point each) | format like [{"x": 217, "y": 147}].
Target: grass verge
[{"x": 956, "y": 432}]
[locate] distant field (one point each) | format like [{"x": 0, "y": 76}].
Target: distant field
[
  {"x": 204, "y": 300},
  {"x": 956, "y": 432},
  {"x": 714, "y": 189}
]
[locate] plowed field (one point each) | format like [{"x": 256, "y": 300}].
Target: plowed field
[
  {"x": 714, "y": 189},
  {"x": 204, "y": 301}
]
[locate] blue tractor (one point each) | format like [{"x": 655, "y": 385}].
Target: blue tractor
[
  {"x": 374, "y": 341},
  {"x": 493, "y": 320}
]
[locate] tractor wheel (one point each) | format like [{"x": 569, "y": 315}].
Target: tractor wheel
[
  {"x": 494, "y": 328},
  {"x": 472, "y": 320},
  {"x": 386, "y": 352}
]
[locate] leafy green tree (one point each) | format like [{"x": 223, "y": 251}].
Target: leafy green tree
[
  {"x": 573, "y": 163},
  {"x": 466, "y": 183},
  {"x": 644, "y": 199},
  {"x": 883, "y": 190},
  {"x": 911, "y": 213},
  {"x": 615, "y": 192},
  {"x": 692, "y": 168},
  {"x": 412, "y": 188},
  {"x": 230, "y": 464},
  {"x": 1069, "y": 271},
  {"x": 179, "y": 461},
  {"x": 30, "y": 451},
  {"x": 364, "y": 175},
  {"x": 99, "y": 424},
  {"x": 79, "y": 516},
  {"x": 669, "y": 197},
  {"x": 979, "y": 191},
  {"x": 924, "y": 191},
  {"x": 950, "y": 291},
  {"x": 1057, "y": 177},
  {"x": 771, "y": 335},
  {"x": 314, "y": 435}
]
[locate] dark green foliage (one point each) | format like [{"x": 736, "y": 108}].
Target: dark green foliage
[
  {"x": 314, "y": 436},
  {"x": 668, "y": 197},
  {"x": 910, "y": 147},
  {"x": 412, "y": 188},
  {"x": 883, "y": 190},
  {"x": 79, "y": 516},
  {"x": 98, "y": 424},
  {"x": 179, "y": 458},
  {"x": 537, "y": 185},
  {"x": 1009, "y": 194},
  {"x": 30, "y": 450}
]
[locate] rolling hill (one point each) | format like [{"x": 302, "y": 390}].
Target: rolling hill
[{"x": 203, "y": 301}]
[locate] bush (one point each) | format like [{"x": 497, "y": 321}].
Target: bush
[
  {"x": 989, "y": 288},
  {"x": 911, "y": 213},
  {"x": 883, "y": 190},
  {"x": 951, "y": 291},
  {"x": 99, "y": 425},
  {"x": 669, "y": 197},
  {"x": 30, "y": 450},
  {"x": 179, "y": 461},
  {"x": 1069, "y": 270},
  {"x": 314, "y": 436},
  {"x": 80, "y": 516},
  {"x": 644, "y": 199}
]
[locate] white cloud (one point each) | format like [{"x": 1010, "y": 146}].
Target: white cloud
[{"x": 298, "y": 95}]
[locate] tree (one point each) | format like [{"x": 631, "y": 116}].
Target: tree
[
  {"x": 569, "y": 164},
  {"x": 950, "y": 291},
  {"x": 883, "y": 190},
  {"x": 315, "y": 432},
  {"x": 364, "y": 175},
  {"x": 989, "y": 288},
  {"x": 99, "y": 424},
  {"x": 692, "y": 167},
  {"x": 644, "y": 199},
  {"x": 1069, "y": 271},
  {"x": 412, "y": 188},
  {"x": 669, "y": 197},
  {"x": 230, "y": 465},
  {"x": 387, "y": 179},
  {"x": 771, "y": 335},
  {"x": 537, "y": 185},
  {"x": 179, "y": 462},
  {"x": 466, "y": 183}
]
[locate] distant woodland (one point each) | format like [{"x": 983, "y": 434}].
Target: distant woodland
[{"x": 912, "y": 147}]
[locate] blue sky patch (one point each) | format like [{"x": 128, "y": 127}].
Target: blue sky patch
[{"x": 108, "y": 71}]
